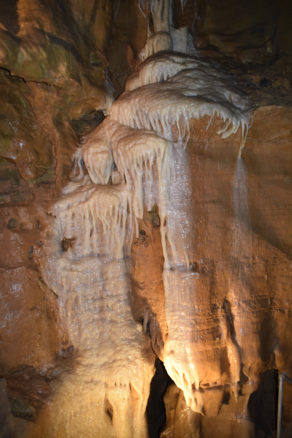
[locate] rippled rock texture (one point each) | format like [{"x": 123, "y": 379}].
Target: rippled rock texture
[{"x": 95, "y": 283}]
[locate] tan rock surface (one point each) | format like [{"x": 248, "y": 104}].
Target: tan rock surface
[
  {"x": 241, "y": 309},
  {"x": 54, "y": 85}
]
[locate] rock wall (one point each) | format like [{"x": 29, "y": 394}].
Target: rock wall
[
  {"x": 60, "y": 67},
  {"x": 239, "y": 302}
]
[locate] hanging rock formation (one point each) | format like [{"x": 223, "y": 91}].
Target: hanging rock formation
[
  {"x": 171, "y": 239},
  {"x": 145, "y": 135}
]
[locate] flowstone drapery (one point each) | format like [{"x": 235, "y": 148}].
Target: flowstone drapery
[{"x": 135, "y": 159}]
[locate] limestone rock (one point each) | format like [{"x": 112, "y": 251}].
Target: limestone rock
[{"x": 159, "y": 225}]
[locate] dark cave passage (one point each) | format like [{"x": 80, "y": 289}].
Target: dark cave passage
[
  {"x": 262, "y": 405},
  {"x": 155, "y": 411}
]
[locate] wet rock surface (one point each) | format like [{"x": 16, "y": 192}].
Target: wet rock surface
[{"x": 60, "y": 66}]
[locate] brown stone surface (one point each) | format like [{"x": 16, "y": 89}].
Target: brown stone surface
[
  {"x": 27, "y": 306},
  {"x": 242, "y": 299},
  {"x": 148, "y": 301},
  {"x": 46, "y": 86},
  {"x": 253, "y": 31},
  {"x": 54, "y": 63}
]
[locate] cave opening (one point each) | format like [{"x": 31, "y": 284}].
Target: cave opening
[
  {"x": 262, "y": 405},
  {"x": 155, "y": 411}
]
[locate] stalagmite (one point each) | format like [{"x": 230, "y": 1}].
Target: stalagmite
[{"x": 85, "y": 265}]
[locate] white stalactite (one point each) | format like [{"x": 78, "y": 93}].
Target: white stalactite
[
  {"x": 144, "y": 137},
  {"x": 166, "y": 92},
  {"x": 97, "y": 155},
  {"x": 172, "y": 90}
]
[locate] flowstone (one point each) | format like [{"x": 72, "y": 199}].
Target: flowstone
[{"x": 136, "y": 158}]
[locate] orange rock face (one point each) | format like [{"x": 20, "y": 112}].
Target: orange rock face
[
  {"x": 241, "y": 256},
  {"x": 230, "y": 324}
]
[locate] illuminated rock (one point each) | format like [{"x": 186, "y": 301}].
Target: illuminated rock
[{"x": 175, "y": 224}]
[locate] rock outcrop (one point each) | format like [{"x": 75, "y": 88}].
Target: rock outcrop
[{"x": 157, "y": 226}]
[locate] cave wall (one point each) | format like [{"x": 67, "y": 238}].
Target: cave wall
[
  {"x": 243, "y": 277},
  {"x": 61, "y": 65}
]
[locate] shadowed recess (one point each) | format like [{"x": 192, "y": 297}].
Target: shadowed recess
[{"x": 155, "y": 410}]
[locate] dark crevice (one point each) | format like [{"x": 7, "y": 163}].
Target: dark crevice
[
  {"x": 108, "y": 409},
  {"x": 12, "y": 75},
  {"x": 232, "y": 334},
  {"x": 262, "y": 405},
  {"x": 229, "y": 320},
  {"x": 87, "y": 122},
  {"x": 155, "y": 411},
  {"x": 266, "y": 335}
]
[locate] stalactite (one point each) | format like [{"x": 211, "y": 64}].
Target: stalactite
[
  {"x": 143, "y": 140},
  {"x": 187, "y": 93}
]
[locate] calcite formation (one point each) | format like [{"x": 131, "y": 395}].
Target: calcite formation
[
  {"x": 170, "y": 241},
  {"x": 145, "y": 135}
]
